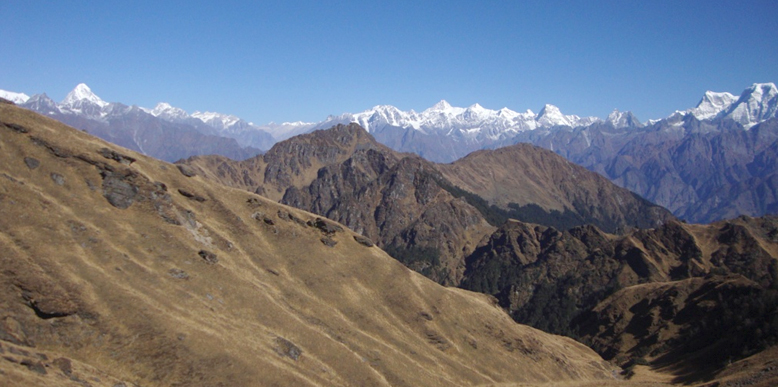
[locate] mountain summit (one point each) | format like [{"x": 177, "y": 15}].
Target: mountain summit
[
  {"x": 756, "y": 104},
  {"x": 125, "y": 270},
  {"x": 82, "y": 96},
  {"x": 712, "y": 104}
]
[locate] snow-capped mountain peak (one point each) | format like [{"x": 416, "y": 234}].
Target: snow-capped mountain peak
[
  {"x": 41, "y": 103},
  {"x": 756, "y": 104},
  {"x": 166, "y": 111},
  {"x": 16, "y": 98},
  {"x": 81, "y": 93},
  {"x": 478, "y": 112},
  {"x": 443, "y": 105},
  {"x": 712, "y": 104},
  {"x": 622, "y": 119},
  {"x": 510, "y": 114},
  {"x": 550, "y": 115},
  {"x": 161, "y": 107}
]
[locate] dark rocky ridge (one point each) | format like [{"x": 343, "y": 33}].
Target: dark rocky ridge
[
  {"x": 162, "y": 290},
  {"x": 409, "y": 206}
]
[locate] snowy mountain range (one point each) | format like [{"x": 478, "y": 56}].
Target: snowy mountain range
[
  {"x": 712, "y": 161},
  {"x": 474, "y": 122},
  {"x": 440, "y": 133},
  {"x": 163, "y": 132},
  {"x": 755, "y": 105}
]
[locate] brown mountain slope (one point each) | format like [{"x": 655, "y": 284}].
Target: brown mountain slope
[
  {"x": 401, "y": 206},
  {"x": 291, "y": 163},
  {"x": 410, "y": 208},
  {"x": 392, "y": 198},
  {"x": 660, "y": 295},
  {"x": 120, "y": 267},
  {"x": 522, "y": 174}
]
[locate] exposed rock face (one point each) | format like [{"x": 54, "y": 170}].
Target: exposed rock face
[
  {"x": 422, "y": 213},
  {"x": 95, "y": 293},
  {"x": 645, "y": 293}
]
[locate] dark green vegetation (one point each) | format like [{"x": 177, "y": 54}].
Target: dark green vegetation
[
  {"x": 529, "y": 213},
  {"x": 425, "y": 260},
  {"x": 742, "y": 322},
  {"x": 600, "y": 288}
]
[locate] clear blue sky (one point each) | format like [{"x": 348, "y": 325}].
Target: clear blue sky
[{"x": 284, "y": 61}]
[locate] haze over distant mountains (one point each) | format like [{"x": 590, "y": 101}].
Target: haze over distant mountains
[
  {"x": 713, "y": 161},
  {"x": 475, "y": 127},
  {"x": 164, "y": 132}
]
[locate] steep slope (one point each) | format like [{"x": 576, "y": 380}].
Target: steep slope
[
  {"x": 657, "y": 295},
  {"x": 344, "y": 174},
  {"x": 520, "y": 176},
  {"x": 413, "y": 208},
  {"x": 677, "y": 326},
  {"x": 127, "y": 269},
  {"x": 402, "y": 206}
]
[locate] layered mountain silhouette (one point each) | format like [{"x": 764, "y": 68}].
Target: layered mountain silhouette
[
  {"x": 120, "y": 269},
  {"x": 640, "y": 298},
  {"x": 682, "y": 162},
  {"x": 166, "y": 137},
  {"x": 700, "y": 170},
  {"x": 421, "y": 212}
]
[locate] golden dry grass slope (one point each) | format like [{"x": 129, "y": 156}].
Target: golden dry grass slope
[{"x": 118, "y": 268}]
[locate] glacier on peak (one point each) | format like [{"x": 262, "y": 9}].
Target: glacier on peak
[{"x": 756, "y": 104}]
